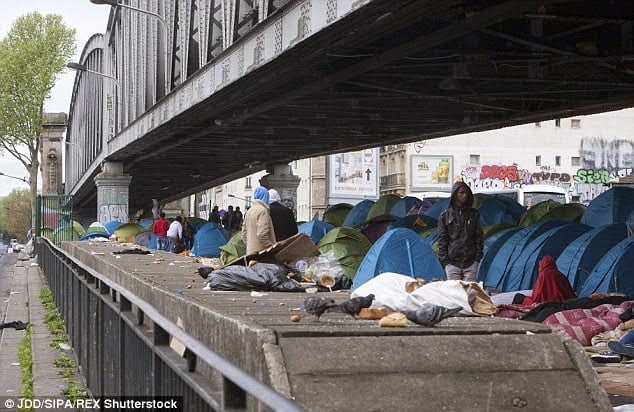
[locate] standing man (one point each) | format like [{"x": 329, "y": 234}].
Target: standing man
[
  {"x": 175, "y": 233},
  {"x": 160, "y": 230},
  {"x": 283, "y": 218},
  {"x": 460, "y": 236},
  {"x": 257, "y": 228}
]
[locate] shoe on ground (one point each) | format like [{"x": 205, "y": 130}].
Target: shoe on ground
[
  {"x": 606, "y": 357},
  {"x": 620, "y": 348}
]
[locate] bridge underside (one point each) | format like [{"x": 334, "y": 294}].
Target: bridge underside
[{"x": 396, "y": 71}]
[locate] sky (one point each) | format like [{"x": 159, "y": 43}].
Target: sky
[{"x": 83, "y": 16}]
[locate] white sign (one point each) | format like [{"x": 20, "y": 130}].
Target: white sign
[{"x": 354, "y": 174}]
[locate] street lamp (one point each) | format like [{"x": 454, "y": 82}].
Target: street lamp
[
  {"x": 14, "y": 177},
  {"x": 236, "y": 197},
  {"x": 150, "y": 13},
  {"x": 83, "y": 68}
]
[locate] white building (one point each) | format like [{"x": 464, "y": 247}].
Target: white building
[{"x": 582, "y": 154}]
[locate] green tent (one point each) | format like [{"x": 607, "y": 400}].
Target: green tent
[
  {"x": 336, "y": 214},
  {"x": 490, "y": 230},
  {"x": 65, "y": 233},
  {"x": 535, "y": 213},
  {"x": 78, "y": 228},
  {"x": 128, "y": 230},
  {"x": 233, "y": 250},
  {"x": 47, "y": 232},
  {"x": 571, "y": 212},
  {"x": 348, "y": 245},
  {"x": 383, "y": 206}
]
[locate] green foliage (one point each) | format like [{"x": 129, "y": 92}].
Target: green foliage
[
  {"x": 26, "y": 364},
  {"x": 15, "y": 214},
  {"x": 33, "y": 53},
  {"x": 52, "y": 319}
]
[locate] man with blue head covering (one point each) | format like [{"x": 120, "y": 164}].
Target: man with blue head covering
[{"x": 257, "y": 227}]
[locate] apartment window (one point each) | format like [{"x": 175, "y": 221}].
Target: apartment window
[
  {"x": 575, "y": 161},
  {"x": 557, "y": 160},
  {"x": 538, "y": 160},
  {"x": 474, "y": 159},
  {"x": 575, "y": 123},
  {"x": 247, "y": 182},
  {"x": 557, "y": 122},
  {"x": 538, "y": 124}
]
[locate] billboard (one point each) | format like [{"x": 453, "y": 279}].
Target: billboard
[
  {"x": 354, "y": 174},
  {"x": 431, "y": 172}
]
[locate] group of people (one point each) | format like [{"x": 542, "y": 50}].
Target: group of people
[
  {"x": 230, "y": 220},
  {"x": 267, "y": 222},
  {"x": 171, "y": 236}
]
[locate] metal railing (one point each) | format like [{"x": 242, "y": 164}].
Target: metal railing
[{"x": 122, "y": 344}]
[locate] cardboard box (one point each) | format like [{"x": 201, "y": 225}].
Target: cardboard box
[{"x": 296, "y": 247}]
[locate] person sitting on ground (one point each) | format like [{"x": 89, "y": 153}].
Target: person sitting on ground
[
  {"x": 257, "y": 228},
  {"x": 283, "y": 218},
  {"x": 551, "y": 285}
]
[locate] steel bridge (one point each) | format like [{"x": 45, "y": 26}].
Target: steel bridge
[{"x": 189, "y": 94}]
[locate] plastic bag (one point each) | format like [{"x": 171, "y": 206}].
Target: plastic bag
[
  {"x": 261, "y": 276},
  {"x": 325, "y": 269}
]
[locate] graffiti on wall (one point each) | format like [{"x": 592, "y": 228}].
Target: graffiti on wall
[
  {"x": 612, "y": 155},
  {"x": 511, "y": 177},
  {"x": 116, "y": 213}
]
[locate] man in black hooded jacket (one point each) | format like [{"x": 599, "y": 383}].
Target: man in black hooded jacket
[{"x": 460, "y": 236}]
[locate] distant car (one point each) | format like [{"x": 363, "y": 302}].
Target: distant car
[{"x": 17, "y": 247}]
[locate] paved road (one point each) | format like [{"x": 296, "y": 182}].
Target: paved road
[{"x": 7, "y": 262}]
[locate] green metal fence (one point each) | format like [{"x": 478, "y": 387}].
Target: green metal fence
[{"x": 54, "y": 218}]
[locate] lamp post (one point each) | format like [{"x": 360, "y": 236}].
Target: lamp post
[
  {"x": 82, "y": 68},
  {"x": 150, "y": 13},
  {"x": 236, "y": 197}
]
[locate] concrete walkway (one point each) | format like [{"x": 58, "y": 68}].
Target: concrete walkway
[{"x": 24, "y": 304}]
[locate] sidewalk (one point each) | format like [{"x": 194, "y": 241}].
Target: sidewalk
[{"x": 24, "y": 304}]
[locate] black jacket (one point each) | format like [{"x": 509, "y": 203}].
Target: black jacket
[
  {"x": 284, "y": 222},
  {"x": 460, "y": 235}
]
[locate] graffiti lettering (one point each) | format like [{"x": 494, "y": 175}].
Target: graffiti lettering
[
  {"x": 499, "y": 172},
  {"x": 547, "y": 177},
  {"x": 109, "y": 213},
  {"x": 592, "y": 176}
]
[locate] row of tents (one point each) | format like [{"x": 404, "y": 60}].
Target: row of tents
[{"x": 593, "y": 245}]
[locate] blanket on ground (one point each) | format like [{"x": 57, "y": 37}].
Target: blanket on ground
[{"x": 583, "y": 324}]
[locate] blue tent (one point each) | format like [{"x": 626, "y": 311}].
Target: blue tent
[
  {"x": 498, "y": 276},
  {"x": 112, "y": 226},
  {"x": 437, "y": 208},
  {"x": 315, "y": 229},
  {"x": 403, "y": 206},
  {"x": 492, "y": 246},
  {"x": 147, "y": 239},
  {"x": 552, "y": 243},
  {"x": 418, "y": 223},
  {"x": 92, "y": 235},
  {"x": 580, "y": 257},
  {"x": 208, "y": 239},
  {"x": 146, "y": 222},
  {"x": 614, "y": 271},
  {"x": 612, "y": 206},
  {"x": 358, "y": 214},
  {"x": 500, "y": 209},
  {"x": 401, "y": 251}
]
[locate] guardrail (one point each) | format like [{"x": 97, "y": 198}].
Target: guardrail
[{"x": 122, "y": 344}]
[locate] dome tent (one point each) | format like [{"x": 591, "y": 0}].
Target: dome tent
[
  {"x": 580, "y": 256},
  {"x": 316, "y": 229},
  {"x": 358, "y": 214},
  {"x": 401, "y": 251},
  {"x": 208, "y": 239},
  {"x": 348, "y": 245},
  {"x": 612, "y": 206}
]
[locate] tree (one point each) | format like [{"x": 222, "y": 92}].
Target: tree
[
  {"x": 32, "y": 55},
  {"x": 15, "y": 214}
]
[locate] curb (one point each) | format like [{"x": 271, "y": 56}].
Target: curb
[{"x": 24, "y": 304}]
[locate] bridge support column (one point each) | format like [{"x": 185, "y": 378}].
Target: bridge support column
[
  {"x": 285, "y": 182},
  {"x": 112, "y": 193}
]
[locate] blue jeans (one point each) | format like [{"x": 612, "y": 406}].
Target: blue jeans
[{"x": 162, "y": 243}]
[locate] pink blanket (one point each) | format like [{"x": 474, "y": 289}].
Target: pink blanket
[{"x": 583, "y": 324}]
